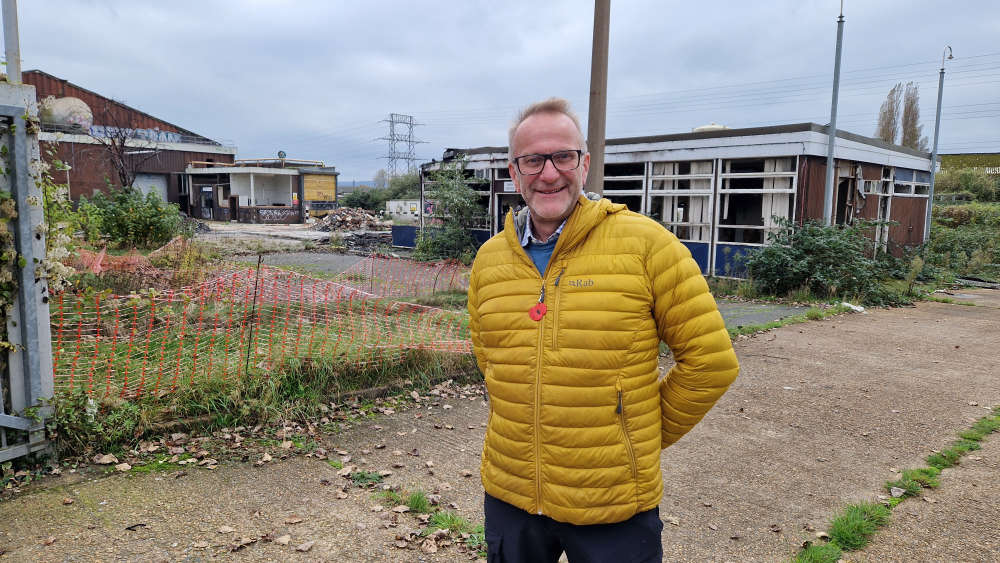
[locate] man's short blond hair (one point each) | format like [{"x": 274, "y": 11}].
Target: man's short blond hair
[{"x": 551, "y": 105}]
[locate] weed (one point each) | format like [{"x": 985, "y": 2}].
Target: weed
[
  {"x": 945, "y": 458},
  {"x": 927, "y": 477},
  {"x": 477, "y": 540},
  {"x": 966, "y": 446},
  {"x": 825, "y": 553},
  {"x": 815, "y": 314},
  {"x": 853, "y": 528},
  {"x": 365, "y": 478},
  {"x": 451, "y": 521},
  {"x": 418, "y": 502},
  {"x": 910, "y": 487},
  {"x": 390, "y": 497},
  {"x": 336, "y": 464}
]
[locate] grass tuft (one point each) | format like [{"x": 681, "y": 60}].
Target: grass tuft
[
  {"x": 365, "y": 478},
  {"x": 855, "y": 526},
  {"x": 824, "y": 553},
  {"x": 450, "y": 521},
  {"x": 418, "y": 502}
]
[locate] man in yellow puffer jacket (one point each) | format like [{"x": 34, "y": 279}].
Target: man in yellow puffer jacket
[{"x": 568, "y": 305}]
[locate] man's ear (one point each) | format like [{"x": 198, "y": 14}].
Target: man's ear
[
  {"x": 514, "y": 177},
  {"x": 586, "y": 167}
]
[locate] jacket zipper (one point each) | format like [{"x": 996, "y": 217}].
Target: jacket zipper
[
  {"x": 538, "y": 406},
  {"x": 555, "y": 311},
  {"x": 620, "y": 411}
]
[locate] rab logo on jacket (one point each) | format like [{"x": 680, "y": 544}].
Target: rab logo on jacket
[{"x": 581, "y": 283}]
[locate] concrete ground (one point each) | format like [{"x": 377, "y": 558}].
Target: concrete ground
[{"x": 822, "y": 414}]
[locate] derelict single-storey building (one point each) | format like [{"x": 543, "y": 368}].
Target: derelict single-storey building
[
  {"x": 265, "y": 190},
  {"x": 721, "y": 190}
]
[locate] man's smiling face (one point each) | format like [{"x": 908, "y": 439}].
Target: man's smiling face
[{"x": 551, "y": 194}]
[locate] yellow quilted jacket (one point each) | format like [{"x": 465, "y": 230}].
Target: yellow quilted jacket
[{"x": 577, "y": 414}]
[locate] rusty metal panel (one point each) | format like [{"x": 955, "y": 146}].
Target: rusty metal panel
[
  {"x": 812, "y": 179},
  {"x": 115, "y": 113},
  {"x": 90, "y": 167},
  {"x": 871, "y": 171},
  {"x": 909, "y": 213}
]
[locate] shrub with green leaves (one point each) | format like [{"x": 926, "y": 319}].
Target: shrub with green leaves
[
  {"x": 968, "y": 180},
  {"x": 456, "y": 212},
  {"x": 831, "y": 261},
  {"x": 129, "y": 218}
]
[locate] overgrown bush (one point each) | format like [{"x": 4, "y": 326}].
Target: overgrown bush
[
  {"x": 968, "y": 180},
  {"x": 126, "y": 217},
  {"x": 456, "y": 212},
  {"x": 965, "y": 240},
  {"x": 830, "y": 261}
]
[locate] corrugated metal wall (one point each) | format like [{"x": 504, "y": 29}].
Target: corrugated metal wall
[{"x": 90, "y": 167}]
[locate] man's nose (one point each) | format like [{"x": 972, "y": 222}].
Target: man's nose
[{"x": 549, "y": 172}]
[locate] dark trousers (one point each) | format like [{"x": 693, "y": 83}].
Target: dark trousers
[{"x": 515, "y": 536}]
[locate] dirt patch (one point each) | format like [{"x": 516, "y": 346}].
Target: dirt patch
[{"x": 820, "y": 415}]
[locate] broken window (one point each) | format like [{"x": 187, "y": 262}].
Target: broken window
[
  {"x": 624, "y": 182},
  {"x": 752, "y": 195},
  {"x": 680, "y": 198}
]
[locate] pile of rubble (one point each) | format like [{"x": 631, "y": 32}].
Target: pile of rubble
[
  {"x": 366, "y": 243},
  {"x": 349, "y": 219}
]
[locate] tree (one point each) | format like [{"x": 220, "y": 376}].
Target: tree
[
  {"x": 405, "y": 186},
  {"x": 911, "y": 127},
  {"x": 888, "y": 115},
  {"x": 127, "y": 146}
]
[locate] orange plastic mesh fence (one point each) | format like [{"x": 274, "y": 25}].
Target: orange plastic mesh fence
[{"x": 155, "y": 342}]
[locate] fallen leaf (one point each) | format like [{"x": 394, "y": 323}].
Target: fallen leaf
[
  {"x": 401, "y": 508},
  {"x": 292, "y": 519},
  {"x": 341, "y": 452},
  {"x": 49, "y": 540},
  {"x": 385, "y": 473},
  {"x": 823, "y": 535},
  {"x": 429, "y": 463},
  {"x": 123, "y": 467},
  {"x": 241, "y": 543},
  {"x": 67, "y": 500},
  {"x": 672, "y": 520},
  {"x": 306, "y": 546},
  {"x": 266, "y": 458},
  {"x": 200, "y": 545},
  {"x": 283, "y": 540},
  {"x": 466, "y": 473},
  {"x": 775, "y": 528},
  {"x": 896, "y": 492},
  {"x": 429, "y": 546},
  {"x": 286, "y": 445},
  {"x": 378, "y": 508},
  {"x": 226, "y": 530},
  {"x": 415, "y": 396},
  {"x": 713, "y": 527},
  {"x": 446, "y": 407},
  {"x": 106, "y": 459},
  {"x": 401, "y": 544},
  {"x": 397, "y": 452},
  {"x": 340, "y": 494}
]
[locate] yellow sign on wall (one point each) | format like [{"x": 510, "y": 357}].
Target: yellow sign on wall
[{"x": 320, "y": 187}]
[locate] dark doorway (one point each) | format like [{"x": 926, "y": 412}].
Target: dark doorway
[{"x": 843, "y": 192}]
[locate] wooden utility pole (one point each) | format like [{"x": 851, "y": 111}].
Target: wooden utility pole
[{"x": 598, "y": 96}]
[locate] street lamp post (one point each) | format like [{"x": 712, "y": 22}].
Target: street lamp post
[{"x": 946, "y": 55}]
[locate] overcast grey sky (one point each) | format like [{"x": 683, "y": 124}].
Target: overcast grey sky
[{"x": 316, "y": 77}]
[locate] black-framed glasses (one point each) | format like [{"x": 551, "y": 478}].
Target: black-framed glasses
[{"x": 564, "y": 161}]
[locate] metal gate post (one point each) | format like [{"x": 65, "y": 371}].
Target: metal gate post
[{"x": 30, "y": 364}]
